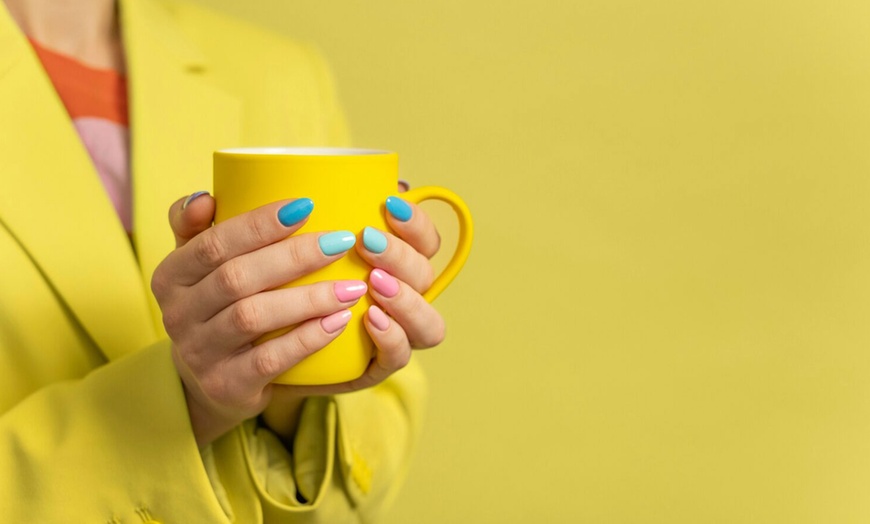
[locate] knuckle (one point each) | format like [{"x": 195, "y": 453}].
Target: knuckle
[
  {"x": 314, "y": 300},
  {"x": 267, "y": 364},
  {"x": 416, "y": 307},
  {"x": 173, "y": 320},
  {"x": 216, "y": 388},
  {"x": 403, "y": 255},
  {"x": 159, "y": 283},
  {"x": 402, "y": 359},
  {"x": 431, "y": 340},
  {"x": 259, "y": 231},
  {"x": 209, "y": 250},
  {"x": 189, "y": 356},
  {"x": 423, "y": 276},
  {"x": 296, "y": 252},
  {"x": 246, "y": 317},
  {"x": 434, "y": 335},
  {"x": 231, "y": 279},
  {"x": 434, "y": 246},
  {"x": 427, "y": 276},
  {"x": 307, "y": 342},
  {"x": 303, "y": 301},
  {"x": 304, "y": 345}
]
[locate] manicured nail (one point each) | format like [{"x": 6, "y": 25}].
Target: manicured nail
[
  {"x": 374, "y": 240},
  {"x": 336, "y": 242},
  {"x": 384, "y": 283},
  {"x": 191, "y": 198},
  {"x": 378, "y": 318},
  {"x": 295, "y": 211},
  {"x": 350, "y": 290},
  {"x": 399, "y": 209},
  {"x": 335, "y": 321}
]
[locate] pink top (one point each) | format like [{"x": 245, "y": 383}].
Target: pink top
[{"x": 96, "y": 100}]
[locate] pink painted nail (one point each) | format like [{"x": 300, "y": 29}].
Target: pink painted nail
[
  {"x": 378, "y": 318},
  {"x": 384, "y": 283},
  {"x": 335, "y": 321},
  {"x": 350, "y": 290}
]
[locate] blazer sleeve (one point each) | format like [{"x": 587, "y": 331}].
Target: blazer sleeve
[
  {"x": 349, "y": 457},
  {"x": 115, "y": 446}
]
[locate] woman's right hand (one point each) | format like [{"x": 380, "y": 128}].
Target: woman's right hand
[{"x": 216, "y": 292}]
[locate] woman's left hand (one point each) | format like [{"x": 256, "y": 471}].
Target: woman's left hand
[{"x": 401, "y": 321}]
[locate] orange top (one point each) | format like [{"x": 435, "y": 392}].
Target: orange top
[
  {"x": 85, "y": 90},
  {"x": 96, "y": 100}
]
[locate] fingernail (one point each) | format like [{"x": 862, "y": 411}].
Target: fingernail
[
  {"x": 335, "y": 321},
  {"x": 191, "y": 198},
  {"x": 336, "y": 242},
  {"x": 399, "y": 208},
  {"x": 295, "y": 211},
  {"x": 349, "y": 290},
  {"x": 378, "y": 318},
  {"x": 384, "y": 283},
  {"x": 374, "y": 240}
]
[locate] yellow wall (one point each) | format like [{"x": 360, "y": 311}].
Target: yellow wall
[{"x": 665, "y": 317}]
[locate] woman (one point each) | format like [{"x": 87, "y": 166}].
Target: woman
[{"x": 106, "y": 418}]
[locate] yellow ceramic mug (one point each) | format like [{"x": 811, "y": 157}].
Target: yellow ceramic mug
[{"x": 349, "y": 188}]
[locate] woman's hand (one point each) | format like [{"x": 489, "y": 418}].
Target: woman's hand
[
  {"x": 402, "y": 273},
  {"x": 216, "y": 294},
  {"x": 404, "y": 320}
]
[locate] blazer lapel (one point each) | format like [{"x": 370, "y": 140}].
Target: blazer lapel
[
  {"x": 53, "y": 203},
  {"x": 178, "y": 120}
]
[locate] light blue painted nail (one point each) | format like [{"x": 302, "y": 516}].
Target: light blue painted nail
[
  {"x": 374, "y": 240},
  {"x": 399, "y": 208},
  {"x": 295, "y": 211},
  {"x": 336, "y": 242}
]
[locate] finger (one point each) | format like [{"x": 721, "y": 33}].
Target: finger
[
  {"x": 388, "y": 252},
  {"x": 392, "y": 353},
  {"x": 393, "y": 349},
  {"x": 265, "y": 268},
  {"x": 413, "y": 225},
  {"x": 239, "y": 235},
  {"x": 250, "y": 318},
  {"x": 190, "y": 216},
  {"x": 422, "y": 322},
  {"x": 261, "y": 364}
]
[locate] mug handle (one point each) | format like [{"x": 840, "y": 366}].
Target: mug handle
[{"x": 466, "y": 233}]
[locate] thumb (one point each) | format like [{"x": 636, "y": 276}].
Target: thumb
[{"x": 190, "y": 216}]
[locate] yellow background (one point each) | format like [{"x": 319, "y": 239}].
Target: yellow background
[{"x": 665, "y": 315}]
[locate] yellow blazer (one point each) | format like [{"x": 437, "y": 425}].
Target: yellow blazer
[{"x": 94, "y": 425}]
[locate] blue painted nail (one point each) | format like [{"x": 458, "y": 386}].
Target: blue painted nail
[
  {"x": 191, "y": 198},
  {"x": 374, "y": 240},
  {"x": 295, "y": 211},
  {"x": 399, "y": 208},
  {"x": 336, "y": 242}
]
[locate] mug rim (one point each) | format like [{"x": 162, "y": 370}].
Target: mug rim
[{"x": 302, "y": 151}]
